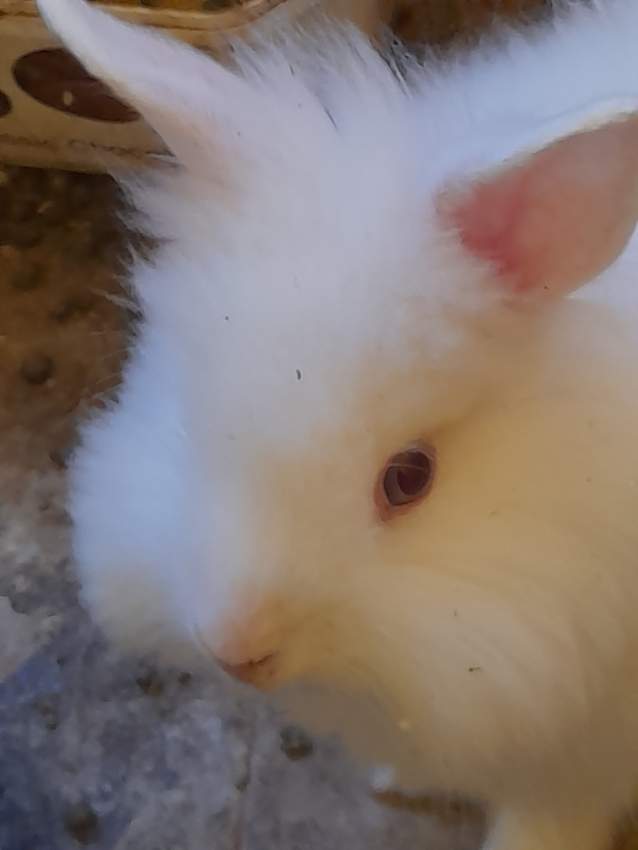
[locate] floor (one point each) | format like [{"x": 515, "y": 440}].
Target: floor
[{"x": 98, "y": 751}]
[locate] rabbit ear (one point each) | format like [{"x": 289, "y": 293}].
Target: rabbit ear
[
  {"x": 562, "y": 211},
  {"x": 187, "y": 98}
]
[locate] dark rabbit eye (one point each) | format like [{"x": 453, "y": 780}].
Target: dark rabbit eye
[{"x": 406, "y": 479}]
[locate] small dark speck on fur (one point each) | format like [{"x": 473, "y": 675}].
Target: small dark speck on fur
[{"x": 332, "y": 121}]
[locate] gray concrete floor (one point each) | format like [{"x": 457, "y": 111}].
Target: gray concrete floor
[{"x": 96, "y": 750}]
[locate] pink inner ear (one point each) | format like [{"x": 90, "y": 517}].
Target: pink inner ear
[
  {"x": 554, "y": 220},
  {"x": 514, "y": 222},
  {"x": 488, "y": 219}
]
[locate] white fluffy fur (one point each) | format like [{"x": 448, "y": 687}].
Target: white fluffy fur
[{"x": 225, "y": 496}]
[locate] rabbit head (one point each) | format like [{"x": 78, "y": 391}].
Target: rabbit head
[{"x": 366, "y": 435}]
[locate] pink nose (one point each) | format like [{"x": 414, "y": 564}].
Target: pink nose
[{"x": 246, "y": 647}]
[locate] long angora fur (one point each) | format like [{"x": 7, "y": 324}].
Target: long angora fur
[{"x": 354, "y": 258}]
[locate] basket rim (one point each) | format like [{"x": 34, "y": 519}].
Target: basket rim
[{"x": 243, "y": 13}]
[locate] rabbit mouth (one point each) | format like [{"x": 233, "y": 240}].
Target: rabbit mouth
[{"x": 259, "y": 672}]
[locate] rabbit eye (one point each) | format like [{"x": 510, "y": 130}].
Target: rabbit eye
[{"x": 406, "y": 479}]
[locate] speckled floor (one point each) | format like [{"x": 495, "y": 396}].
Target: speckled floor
[{"x": 96, "y": 750}]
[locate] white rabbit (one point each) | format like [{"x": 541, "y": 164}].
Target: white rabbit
[{"x": 370, "y": 451}]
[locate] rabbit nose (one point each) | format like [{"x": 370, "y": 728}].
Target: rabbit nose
[{"x": 246, "y": 647}]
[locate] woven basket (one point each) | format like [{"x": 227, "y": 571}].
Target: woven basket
[
  {"x": 439, "y": 21},
  {"x": 53, "y": 114}
]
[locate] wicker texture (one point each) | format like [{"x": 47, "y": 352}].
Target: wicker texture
[
  {"x": 439, "y": 21},
  {"x": 175, "y": 5},
  {"x": 436, "y": 20}
]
